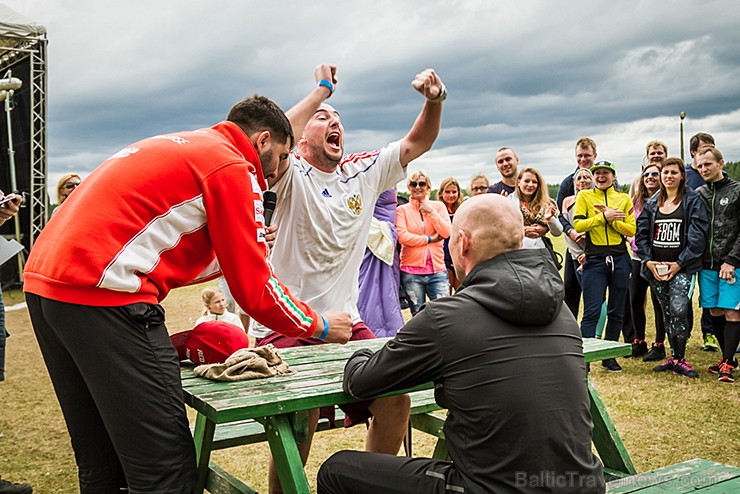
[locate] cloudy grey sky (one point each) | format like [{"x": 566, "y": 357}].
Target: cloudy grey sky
[{"x": 532, "y": 75}]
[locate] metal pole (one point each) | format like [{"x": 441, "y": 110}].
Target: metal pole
[
  {"x": 13, "y": 183},
  {"x": 682, "y": 115}
]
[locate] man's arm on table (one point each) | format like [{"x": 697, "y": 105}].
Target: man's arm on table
[{"x": 413, "y": 357}]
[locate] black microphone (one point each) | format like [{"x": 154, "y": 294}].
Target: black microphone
[{"x": 269, "y": 200}]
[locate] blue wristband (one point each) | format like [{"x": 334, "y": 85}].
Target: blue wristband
[
  {"x": 328, "y": 85},
  {"x": 429, "y": 239},
  {"x": 326, "y": 328}
]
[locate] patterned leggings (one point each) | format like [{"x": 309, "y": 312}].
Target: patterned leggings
[{"x": 674, "y": 297}]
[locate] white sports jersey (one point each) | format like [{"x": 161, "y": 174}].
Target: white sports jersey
[{"x": 323, "y": 223}]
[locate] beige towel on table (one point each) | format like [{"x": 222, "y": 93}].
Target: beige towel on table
[{"x": 247, "y": 363}]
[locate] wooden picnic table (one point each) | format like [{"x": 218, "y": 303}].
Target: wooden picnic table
[
  {"x": 281, "y": 405},
  {"x": 695, "y": 476}
]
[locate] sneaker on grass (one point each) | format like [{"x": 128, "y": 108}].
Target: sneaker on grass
[
  {"x": 666, "y": 366},
  {"x": 13, "y": 488},
  {"x": 683, "y": 368},
  {"x": 725, "y": 372},
  {"x": 611, "y": 365},
  {"x": 714, "y": 369},
  {"x": 639, "y": 348},
  {"x": 710, "y": 343},
  {"x": 656, "y": 353}
]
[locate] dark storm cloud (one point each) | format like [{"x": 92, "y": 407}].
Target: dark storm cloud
[{"x": 532, "y": 75}]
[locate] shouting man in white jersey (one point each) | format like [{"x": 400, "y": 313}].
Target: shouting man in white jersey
[{"x": 324, "y": 209}]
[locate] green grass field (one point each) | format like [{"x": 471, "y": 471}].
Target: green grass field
[{"x": 662, "y": 418}]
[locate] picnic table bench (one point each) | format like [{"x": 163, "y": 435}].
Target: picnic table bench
[
  {"x": 275, "y": 409},
  {"x": 694, "y": 476}
]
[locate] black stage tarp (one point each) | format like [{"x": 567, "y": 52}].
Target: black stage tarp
[{"x": 21, "y": 128}]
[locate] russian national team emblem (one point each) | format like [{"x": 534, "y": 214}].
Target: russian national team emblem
[{"x": 354, "y": 204}]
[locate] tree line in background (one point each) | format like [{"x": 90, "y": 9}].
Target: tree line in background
[{"x": 731, "y": 167}]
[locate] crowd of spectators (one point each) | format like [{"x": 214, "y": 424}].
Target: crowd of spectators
[
  {"x": 311, "y": 280},
  {"x": 615, "y": 253}
]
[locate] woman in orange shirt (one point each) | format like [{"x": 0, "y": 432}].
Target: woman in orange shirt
[{"x": 422, "y": 225}]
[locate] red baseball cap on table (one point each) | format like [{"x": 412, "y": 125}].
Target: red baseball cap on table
[{"x": 210, "y": 342}]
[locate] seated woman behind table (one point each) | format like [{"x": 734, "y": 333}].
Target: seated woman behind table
[{"x": 422, "y": 225}]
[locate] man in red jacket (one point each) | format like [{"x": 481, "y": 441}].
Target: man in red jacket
[{"x": 168, "y": 211}]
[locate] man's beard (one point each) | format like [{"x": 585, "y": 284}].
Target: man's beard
[
  {"x": 318, "y": 157},
  {"x": 266, "y": 158}
]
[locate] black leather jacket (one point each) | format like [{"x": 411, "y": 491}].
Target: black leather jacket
[
  {"x": 507, "y": 360},
  {"x": 722, "y": 199}
]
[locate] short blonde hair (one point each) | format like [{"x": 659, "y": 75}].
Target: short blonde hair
[
  {"x": 656, "y": 144},
  {"x": 415, "y": 175},
  {"x": 709, "y": 149},
  {"x": 586, "y": 142}
]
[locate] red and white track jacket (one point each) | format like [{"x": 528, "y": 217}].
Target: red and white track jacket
[{"x": 167, "y": 211}]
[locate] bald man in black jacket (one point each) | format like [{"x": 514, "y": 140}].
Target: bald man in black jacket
[{"x": 507, "y": 362}]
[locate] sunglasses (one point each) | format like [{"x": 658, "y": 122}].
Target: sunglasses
[
  {"x": 70, "y": 185},
  {"x": 421, "y": 184},
  {"x": 650, "y": 174},
  {"x": 480, "y": 188}
]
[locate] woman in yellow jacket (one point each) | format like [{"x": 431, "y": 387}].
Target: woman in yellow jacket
[
  {"x": 422, "y": 225},
  {"x": 607, "y": 217}
]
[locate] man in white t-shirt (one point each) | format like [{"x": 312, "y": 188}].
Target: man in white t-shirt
[{"x": 325, "y": 203}]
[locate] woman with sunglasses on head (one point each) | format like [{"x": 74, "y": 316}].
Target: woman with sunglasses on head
[
  {"x": 66, "y": 185},
  {"x": 643, "y": 189},
  {"x": 451, "y": 196},
  {"x": 671, "y": 238},
  {"x": 422, "y": 225}
]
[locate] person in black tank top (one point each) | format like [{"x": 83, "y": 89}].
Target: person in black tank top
[{"x": 671, "y": 238}]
